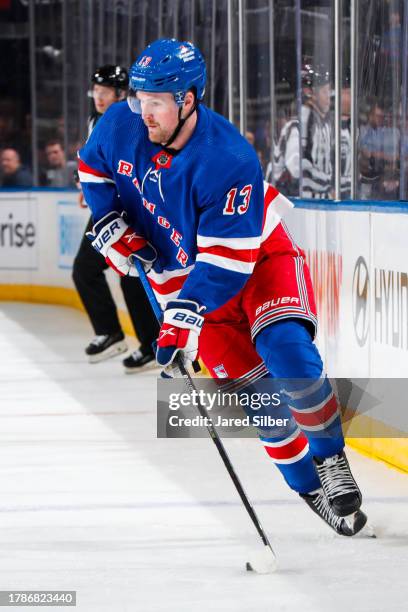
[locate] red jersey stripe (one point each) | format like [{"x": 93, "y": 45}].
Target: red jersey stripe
[
  {"x": 83, "y": 167},
  {"x": 173, "y": 284},
  {"x": 247, "y": 255}
]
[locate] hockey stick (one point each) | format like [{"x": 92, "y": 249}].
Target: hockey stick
[{"x": 264, "y": 562}]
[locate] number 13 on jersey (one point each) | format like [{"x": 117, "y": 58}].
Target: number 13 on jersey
[{"x": 242, "y": 205}]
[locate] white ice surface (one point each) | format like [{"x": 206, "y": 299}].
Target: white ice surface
[{"x": 91, "y": 501}]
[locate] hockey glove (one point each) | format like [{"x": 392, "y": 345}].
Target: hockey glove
[
  {"x": 180, "y": 330},
  {"x": 116, "y": 241}
]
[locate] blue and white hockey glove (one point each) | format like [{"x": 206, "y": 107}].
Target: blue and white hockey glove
[
  {"x": 117, "y": 242},
  {"x": 180, "y": 331}
]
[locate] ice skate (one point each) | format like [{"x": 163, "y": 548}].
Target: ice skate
[
  {"x": 338, "y": 484},
  {"x": 136, "y": 360},
  {"x": 105, "y": 346},
  {"x": 346, "y": 526}
]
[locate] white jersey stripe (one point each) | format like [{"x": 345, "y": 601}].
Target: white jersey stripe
[
  {"x": 283, "y": 442},
  {"x": 230, "y": 243},
  {"x": 228, "y": 264},
  {"x": 86, "y": 177},
  {"x": 166, "y": 297}
]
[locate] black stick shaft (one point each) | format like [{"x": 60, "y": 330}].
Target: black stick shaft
[{"x": 224, "y": 455}]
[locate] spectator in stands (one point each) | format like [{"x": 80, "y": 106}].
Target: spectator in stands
[
  {"x": 379, "y": 156},
  {"x": 391, "y": 53},
  {"x": 371, "y": 163},
  {"x": 391, "y": 177},
  {"x": 13, "y": 172},
  {"x": 59, "y": 171}
]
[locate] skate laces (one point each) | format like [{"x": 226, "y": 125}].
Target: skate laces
[
  {"x": 323, "y": 507},
  {"x": 137, "y": 354},
  {"x": 99, "y": 340},
  {"x": 335, "y": 476}
]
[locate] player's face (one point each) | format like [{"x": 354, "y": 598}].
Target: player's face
[
  {"x": 103, "y": 97},
  {"x": 160, "y": 115}
]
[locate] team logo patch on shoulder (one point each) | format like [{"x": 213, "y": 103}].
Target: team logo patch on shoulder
[
  {"x": 162, "y": 159},
  {"x": 220, "y": 371}
]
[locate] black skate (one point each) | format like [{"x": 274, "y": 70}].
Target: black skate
[
  {"x": 106, "y": 346},
  {"x": 338, "y": 484},
  {"x": 345, "y": 526},
  {"x": 137, "y": 360}
]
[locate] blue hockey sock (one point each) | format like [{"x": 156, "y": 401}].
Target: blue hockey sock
[{"x": 289, "y": 353}]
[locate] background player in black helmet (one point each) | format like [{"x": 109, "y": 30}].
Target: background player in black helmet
[{"x": 109, "y": 85}]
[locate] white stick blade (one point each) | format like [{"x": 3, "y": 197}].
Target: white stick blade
[{"x": 262, "y": 561}]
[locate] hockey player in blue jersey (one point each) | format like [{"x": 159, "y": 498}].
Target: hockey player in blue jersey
[{"x": 173, "y": 183}]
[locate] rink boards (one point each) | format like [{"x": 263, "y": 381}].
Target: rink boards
[
  {"x": 40, "y": 232},
  {"x": 356, "y": 254},
  {"x": 357, "y": 258}
]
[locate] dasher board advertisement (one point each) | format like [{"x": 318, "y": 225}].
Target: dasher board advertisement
[{"x": 19, "y": 236}]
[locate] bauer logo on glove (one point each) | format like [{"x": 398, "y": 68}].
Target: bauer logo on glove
[
  {"x": 182, "y": 323},
  {"x": 118, "y": 243}
]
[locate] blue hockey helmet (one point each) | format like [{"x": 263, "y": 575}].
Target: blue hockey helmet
[{"x": 169, "y": 65}]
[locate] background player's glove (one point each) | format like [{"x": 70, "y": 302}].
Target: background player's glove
[
  {"x": 116, "y": 241},
  {"x": 182, "y": 323}
]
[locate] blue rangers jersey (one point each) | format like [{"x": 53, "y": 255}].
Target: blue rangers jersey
[{"x": 202, "y": 208}]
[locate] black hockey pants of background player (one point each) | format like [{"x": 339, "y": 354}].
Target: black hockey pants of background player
[{"x": 89, "y": 278}]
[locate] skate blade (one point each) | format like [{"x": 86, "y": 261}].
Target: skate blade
[
  {"x": 112, "y": 351},
  {"x": 354, "y": 521},
  {"x": 366, "y": 532},
  {"x": 147, "y": 366}
]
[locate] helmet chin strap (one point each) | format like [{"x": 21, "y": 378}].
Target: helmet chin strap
[{"x": 181, "y": 122}]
